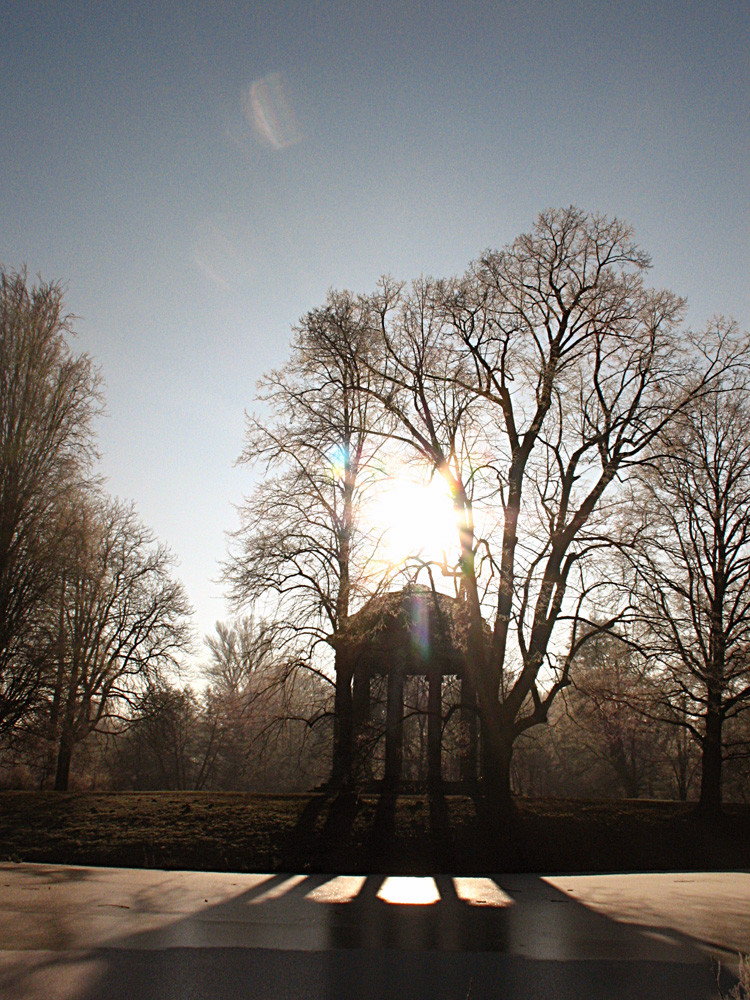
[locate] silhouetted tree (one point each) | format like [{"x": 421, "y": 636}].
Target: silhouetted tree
[
  {"x": 163, "y": 745},
  {"x": 122, "y": 620},
  {"x": 572, "y": 367},
  {"x": 241, "y": 700},
  {"x": 259, "y": 715},
  {"x": 609, "y": 704},
  {"x": 300, "y": 553},
  {"x": 694, "y": 563},
  {"x": 238, "y": 651},
  {"x": 48, "y": 398}
]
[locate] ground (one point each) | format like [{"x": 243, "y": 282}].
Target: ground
[{"x": 409, "y": 834}]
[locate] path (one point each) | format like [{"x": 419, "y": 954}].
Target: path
[{"x": 106, "y": 934}]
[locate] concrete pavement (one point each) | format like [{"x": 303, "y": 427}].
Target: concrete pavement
[{"x": 94, "y": 933}]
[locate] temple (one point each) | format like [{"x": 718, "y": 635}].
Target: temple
[{"x": 412, "y": 632}]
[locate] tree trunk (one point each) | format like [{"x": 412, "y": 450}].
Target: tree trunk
[
  {"x": 710, "y": 796},
  {"x": 681, "y": 768},
  {"x": 500, "y": 811},
  {"x": 64, "y": 757},
  {"x": 53, "y": 725},
  {"x": 341, "y": 771},
  {"x": 497, "y": 755}
]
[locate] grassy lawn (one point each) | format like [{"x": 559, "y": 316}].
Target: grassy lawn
[{"x": 409, "y": 834}]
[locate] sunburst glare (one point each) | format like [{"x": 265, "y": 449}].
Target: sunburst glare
[{"x": 416, "y": 519}]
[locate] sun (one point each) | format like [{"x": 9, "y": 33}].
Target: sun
[{"x": 414, "y": 519}]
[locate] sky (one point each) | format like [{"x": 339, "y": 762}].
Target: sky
[{"x": 197, "y": 176}]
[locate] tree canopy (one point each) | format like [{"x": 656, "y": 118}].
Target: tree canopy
[{"x": 537, "y": 386}]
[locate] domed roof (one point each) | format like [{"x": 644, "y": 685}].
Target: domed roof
[{"x": 430, "y": 627}]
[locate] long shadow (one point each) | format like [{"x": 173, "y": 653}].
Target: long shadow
[
  {"x": 323, "y": 832},
  {"x": 383, "y": 827},
  {"x": 506, "y": 938},
  {"x": 442, "y": 844},
  {"x": 301, "y": 840},
  {"x": 337, "y": 829}
]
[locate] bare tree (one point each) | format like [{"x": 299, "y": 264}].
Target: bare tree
[
  {"x": 259, "y": 715},
  {"x": 244, "y": 684},
  {"x": 573, "y": 367},
  {"x": 48, "y": 398},
  {"x": 612, "y": 694},
  {"x": 694, "y": 564},
  {"x": 237, "y": 652},
  {"x": 162, "y": 746},
  {"x": 122, "y": 620},
  {"x": 301, "y": 552}
]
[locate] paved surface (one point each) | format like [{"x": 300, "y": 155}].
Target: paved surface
[{"x": 92, "y": 933}]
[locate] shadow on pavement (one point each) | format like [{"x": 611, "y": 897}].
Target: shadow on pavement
[{"x": 322, "y": 937}]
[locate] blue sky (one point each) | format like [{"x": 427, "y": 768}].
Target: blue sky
[{"x": 198, "y": 176}]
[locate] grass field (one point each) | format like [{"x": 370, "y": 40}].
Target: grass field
[{"x": 410, "y": 834}]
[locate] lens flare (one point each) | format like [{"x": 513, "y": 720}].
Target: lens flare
[
  {"x": 268, "y": 108},
  {"x": 420, "y": 622},
  {"x": 337, "y": 459}
]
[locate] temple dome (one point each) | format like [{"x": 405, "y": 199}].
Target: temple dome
[{"x": 430, "y": 627}]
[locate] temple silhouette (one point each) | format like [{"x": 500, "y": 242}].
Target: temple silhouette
[{"x": 415, "y": 632}]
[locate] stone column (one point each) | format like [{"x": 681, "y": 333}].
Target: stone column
[
  {"x": 361, "y": 698},
  {"x": 469, "y": 731},
  {"x": 394, "y": 733},
  {"x": 360, "y": 714},
  {"x": 434, "y": 727}
]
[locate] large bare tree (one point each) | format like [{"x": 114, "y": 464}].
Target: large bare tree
[
  {"x": 122, "y": 619},
  {"x": 694, "y": 563},
  {"x": 48, "y": 398},
  {"x": 300, "y": 553},
  {"x": 571, "y": 366}
]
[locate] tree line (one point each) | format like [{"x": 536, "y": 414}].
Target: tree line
[
  {"x": 90, "y": 611},
  {"x": 596, "y": 456},
  {"x": 94, "y": 624}
]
